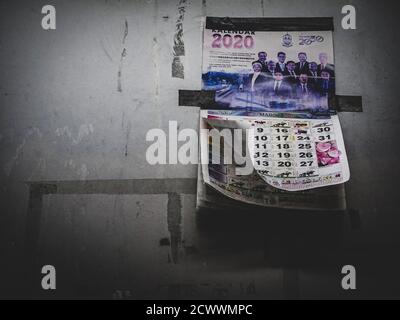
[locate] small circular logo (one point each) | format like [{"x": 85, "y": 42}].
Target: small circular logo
[{"x": 287, "y": 40}]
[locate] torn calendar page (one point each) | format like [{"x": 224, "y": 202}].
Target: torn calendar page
[
  {"x": 289, "y": 153},
  {"x": 239, "y": 181}
]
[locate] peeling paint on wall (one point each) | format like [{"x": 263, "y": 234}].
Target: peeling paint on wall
[
  {"x": 156, "y": 54},
  {"x": 83, "y": 172},
  {"x": 140, "y": 208},
  {"x": 123, "y": 55},
  {"x": 84, "y": 131},
  {"x": 79, "y": 170},
  {"x": 40, "y": 167},
  {"x": 179, "y": 45},
  {"x": 156, "y": 50},
  {"x": 19, "y": 150}
]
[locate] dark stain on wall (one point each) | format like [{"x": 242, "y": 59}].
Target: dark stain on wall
[{"x": 174, "y": 224}]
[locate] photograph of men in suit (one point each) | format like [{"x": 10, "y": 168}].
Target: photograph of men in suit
[
  {"x": 302, "y": 66},
  {"x": 313, "y": 73},
  {"x": 304, "y": 89},
  {"x": 262, "y": 58},
  {"x": 281, "y": 65},
  {"x": 326, "y": 84},
  {"x": 325, "y": 66},
  {"x": 256, "y": 81},
  {"x": 291, "y": 76},
  {"x": 271, "y": 65},
  {"x": 278, "y": 87}
]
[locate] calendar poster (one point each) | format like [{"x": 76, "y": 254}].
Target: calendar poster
[
  {"x": 277, "y": 71},
  {"x": 276, "y": 87}
]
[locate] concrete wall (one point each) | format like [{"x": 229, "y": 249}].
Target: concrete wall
[{"x": 76, "y": 104}]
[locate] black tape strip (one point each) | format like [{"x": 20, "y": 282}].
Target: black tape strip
[
  {"x": 206, "y": 100},
  {"x": 197, "y": 98},
  {"x": 270, "y": 24}
]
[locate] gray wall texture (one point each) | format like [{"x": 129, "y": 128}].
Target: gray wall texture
[{"x": 76, "y": 104}]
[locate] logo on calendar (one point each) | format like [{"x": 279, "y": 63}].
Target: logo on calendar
[
  {"x": 308, "y": 40},
  {"x": 287, "y": 40}
]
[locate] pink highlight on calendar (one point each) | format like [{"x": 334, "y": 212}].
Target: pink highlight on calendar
[{"x": 327, "y": 153}]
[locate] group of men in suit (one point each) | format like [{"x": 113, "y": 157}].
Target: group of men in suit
[{"x": 290, "y": 79}]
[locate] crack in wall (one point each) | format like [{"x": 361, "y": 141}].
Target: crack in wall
[
  {"x": 123, "y": 55},
  {"x": 105, "y": 51},
  {"x": 262, "y": 8}
]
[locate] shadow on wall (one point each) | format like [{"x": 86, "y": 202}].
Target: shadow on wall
[{"x": 287, "y": 238}]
